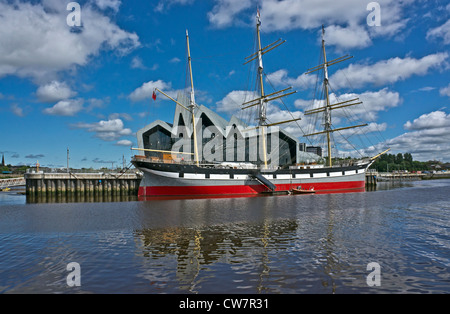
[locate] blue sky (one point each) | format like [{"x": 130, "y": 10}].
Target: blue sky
[{"x": 89, "y": 88}]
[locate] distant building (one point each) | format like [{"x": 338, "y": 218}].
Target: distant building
[
  {"x": 159, "y": 138},
  {"x": 315, "y": 150},
  {"x": 302, "y": 147}
]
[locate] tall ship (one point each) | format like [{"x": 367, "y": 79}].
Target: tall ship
[{"x": 202, "y": 154}]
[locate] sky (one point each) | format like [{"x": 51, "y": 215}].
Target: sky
[{"x": 82, "y": 79}]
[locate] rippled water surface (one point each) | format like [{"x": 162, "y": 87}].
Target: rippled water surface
[{"x": 281, "y": 244}]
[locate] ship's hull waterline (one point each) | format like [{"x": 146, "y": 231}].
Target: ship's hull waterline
[{"x": 178, "y": 180}]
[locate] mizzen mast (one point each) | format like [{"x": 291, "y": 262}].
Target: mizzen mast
[
  {"x": 192, "y": 99},
  {"x": 328, "y": 106},
  {"x": 192, "y": 105}
]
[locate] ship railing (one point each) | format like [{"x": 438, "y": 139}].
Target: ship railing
[{"x": 203, "y": 163}]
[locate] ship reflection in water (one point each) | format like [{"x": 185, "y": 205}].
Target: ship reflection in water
[{"x": 243, "y": 254}]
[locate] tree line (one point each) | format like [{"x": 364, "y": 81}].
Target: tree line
[{"x": 392, "y": 162}]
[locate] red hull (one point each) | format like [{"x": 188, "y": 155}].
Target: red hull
[{"x": 251, "y": 190}]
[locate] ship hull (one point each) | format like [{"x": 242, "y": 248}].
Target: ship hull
[{"x": 172, "y": 180}]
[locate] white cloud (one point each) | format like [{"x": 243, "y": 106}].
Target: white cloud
[
  {"x": 123, "y": 115},
  {"x": 106, "y": 4},
  {"x": 35, "y": 40},
  {"x": 365, "y": 113},
  {"x": 164, "y": 5},
  {"x": 386, "y": 71},
  {"x": 136, "y": 63},
  {"x": 359, "y": 75},
  {"x": 232, "y": 102},
  {"x": 348, "y": 17},
  {"x": 146, "y": 90},
  {"x": 18, "y": 111},
  {"x": 297, "y": 128},
  {"x": 54, "y": 91},
  {"x": 281, "y": 78},
  {"x": 369, "y": 128},
  {"x": 347, "y": 37},
  {"x": 426, "y": 89},
  {"x": 175, "y": 60},
  {"x": 427, "y": 138},
  {"x": 425, "y": 144},
  {"x": 107, "y": 130},
  {"x": 309, "y": 14},
  {"x": 435, "y": 119},
  {"x": 69, "y": 107},
  {"x": 445, "y": 91},
  {"x": 372, "y": 103},
  {"x": 124, "y": 143},
  {"x": 224, "y": 12},
  {"x": 442, "y": 31}
]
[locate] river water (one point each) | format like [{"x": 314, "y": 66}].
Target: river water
[{"x": 319, "y": 244}]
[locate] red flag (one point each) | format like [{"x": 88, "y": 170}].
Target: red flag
[{"x": 154, "y": 95}]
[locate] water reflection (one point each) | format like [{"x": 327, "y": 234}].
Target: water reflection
[
  {"x": 243, "y": 248},
  {"x": 282, "y": 244},
  {"x": 77, "y": 198}
]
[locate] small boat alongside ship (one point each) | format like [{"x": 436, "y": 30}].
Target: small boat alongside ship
[
  {"x": 202, "y": 154},
  {"x": 300, "y": 190}
]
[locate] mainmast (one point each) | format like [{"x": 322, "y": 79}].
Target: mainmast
[
  {"x": 263, "y": 99},
  {"x": 262, "y": 103},
  {"x": 328, "y": 106}
]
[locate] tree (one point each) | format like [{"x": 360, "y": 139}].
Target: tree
[{"x": 408, "y": 157}]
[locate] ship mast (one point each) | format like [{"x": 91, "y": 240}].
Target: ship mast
[
  {"x": 262, "y": 104},
  {"x": 192, "y": 100},
  {"x": 328, "y": 106},
  {"x": 191, "y": 107},
  {"x": 263, "y": 99}
]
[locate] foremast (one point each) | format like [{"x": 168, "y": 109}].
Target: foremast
[{"x": 328, "y": 130}]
